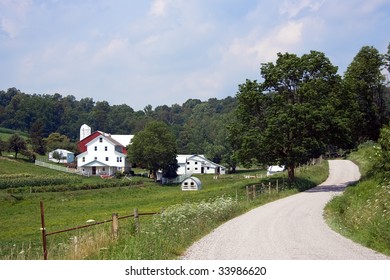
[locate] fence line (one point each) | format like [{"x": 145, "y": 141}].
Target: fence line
[
  {"x": 114, "y": 228},
  {"x": 57, "y": 167},
  {"x": 253, "y": 190}
]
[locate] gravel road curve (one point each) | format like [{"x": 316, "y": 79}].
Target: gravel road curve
[{"x": 290, "y": 228}]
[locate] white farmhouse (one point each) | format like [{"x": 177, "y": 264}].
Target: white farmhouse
[
  {"x": 102, "y": 153},
  {"x": 198, "y": 164}
]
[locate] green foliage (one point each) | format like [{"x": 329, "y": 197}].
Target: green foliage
[
  {"x": 31, "y": 181},
  {"x": 3, "y": 147},
  {"x": 362, "y": 213},
  {"x": 296, "y": 119},
  {"x": 37, "y": 138},
  {"x": 154, "y": 148},
  {"x": 365, "y": 82},
  {"x": 59, "y": 141},
  {"x": 16, "y": 144}
]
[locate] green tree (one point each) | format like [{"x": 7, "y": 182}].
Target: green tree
[
  {"x": 16, "y": 144},
  {"x": 154, "y": 148},
  {"x": 290, "y": 117},
  {"x": 36, "y": 138},
  {"x": 58, "y": 156},
  {"x": 387, "y": 58},
  {"x": 58, "y": 141},
  {"x": 364, "y": 80},
  {"x": 3, "y": 147}
]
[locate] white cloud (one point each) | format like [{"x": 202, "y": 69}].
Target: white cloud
[
  {"x": 114, "y": 48},
  {"x": 166, "y": 51},
  {"x": 159, "y": 7},
  {"x": 293, "y": 8},
  {"x": 13, "y": 15}
]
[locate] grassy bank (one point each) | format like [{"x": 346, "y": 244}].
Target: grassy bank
[
  {"x": 362, "y": 213},
  {"x": 222, "y": 199}
]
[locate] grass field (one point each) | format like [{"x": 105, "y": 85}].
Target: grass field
[
  {"x": 20, "y": 236},
  {"x": 362, "y": 213},
  {"x": 6, "y": 133}
]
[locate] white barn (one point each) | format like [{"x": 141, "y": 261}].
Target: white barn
[{"x": 198, "y": 164}]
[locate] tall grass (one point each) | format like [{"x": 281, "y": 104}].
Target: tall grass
[{"x": 362, "y": 213}]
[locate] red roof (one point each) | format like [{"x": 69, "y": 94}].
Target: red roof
[{"x": 82, "y": 144}]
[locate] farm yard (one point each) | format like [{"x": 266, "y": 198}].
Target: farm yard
[{"x": 71, "y": 200}]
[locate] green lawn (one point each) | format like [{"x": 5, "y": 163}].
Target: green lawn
[
  {"x": 20, "y": 212},
  {"x": 6, "y": 133}
]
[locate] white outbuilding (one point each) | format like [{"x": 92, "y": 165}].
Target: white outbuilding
[
  {"x": 275, "y": 169},
  {"x": 191, "y": 184}
]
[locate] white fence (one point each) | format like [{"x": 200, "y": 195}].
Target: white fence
[{"x": 57, "y": 167}]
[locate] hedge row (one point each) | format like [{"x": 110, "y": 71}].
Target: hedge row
[
  {"x": 36, "y": 181},
  {"x": 75, "y": 187}
]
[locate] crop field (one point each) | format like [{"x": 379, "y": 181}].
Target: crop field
[{"x": 71, "y": 200}]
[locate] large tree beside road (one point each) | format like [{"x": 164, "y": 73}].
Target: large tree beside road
[{"x": 294, "y": 115}]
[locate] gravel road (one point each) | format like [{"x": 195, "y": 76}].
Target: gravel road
[{"x": 290, "y": 228}]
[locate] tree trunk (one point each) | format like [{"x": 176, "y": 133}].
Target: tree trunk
[{"x": 291, "y": 173}]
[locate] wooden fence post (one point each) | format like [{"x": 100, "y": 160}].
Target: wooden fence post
[
  {"x": 136, "y": 220},
  {"x": 277, "y": 185},
  {"x": 247, "y": 193},
  {"x": 43, "y": 229},
  {"x": 76, "y": 246},
  {"x": 254, "y": 191},
  {"x": 269, "y": 187},
  {"x": 115, "y": 225}
]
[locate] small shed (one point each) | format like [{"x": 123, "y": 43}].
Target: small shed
[
  {"x": 66, "y": 156},
  {"x": 191, "y": 184}
]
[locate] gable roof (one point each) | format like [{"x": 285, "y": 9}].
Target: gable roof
[
  {"x": 182, "y": 159},
  {"x": 94, "y": 163},
  {"x": 116, "y": 139}
]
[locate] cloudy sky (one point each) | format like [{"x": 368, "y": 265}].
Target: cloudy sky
[{"x": 162, "y": 52}]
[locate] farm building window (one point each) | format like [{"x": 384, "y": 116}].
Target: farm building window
[
  {"x": 188, "y": 162},
  {"x": 196, "y": 168},
  {"x": 105, "y": 148},
  {"x": 106, "y": 158},
  {"x": 104, "y": 169},
  {"x": 95, "y": 148},
  {"x": 196, "y": 162},
  {"x": 95, "y": 158},
  {"x": 208, "y": 168},
  {"x": 188, "y": 168},
  {"x": 101, "y": 139},
  {"x": 83, "y": 159}
]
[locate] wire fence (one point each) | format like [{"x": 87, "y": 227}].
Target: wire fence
[{"x": 114, "y": 227}]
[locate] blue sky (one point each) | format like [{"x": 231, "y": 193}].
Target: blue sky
[{"x": 162, "y": 52}]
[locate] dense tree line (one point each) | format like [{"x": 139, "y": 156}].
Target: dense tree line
[
  {"x": 302, "y": 106},
  {"x": 54, "y": 121}
]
